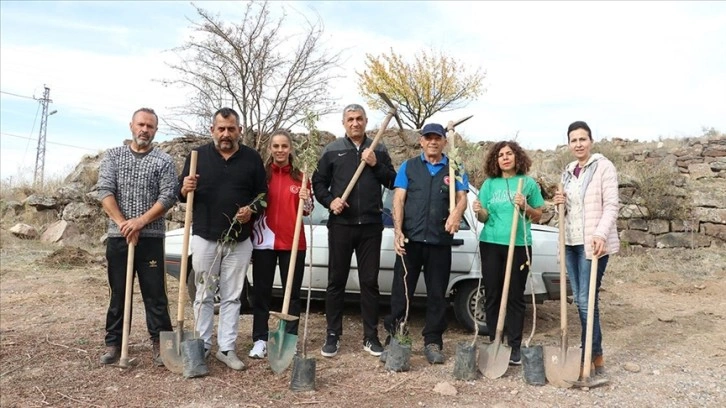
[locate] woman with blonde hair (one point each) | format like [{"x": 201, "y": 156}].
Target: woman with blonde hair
[{"x": 272, "y": 238}]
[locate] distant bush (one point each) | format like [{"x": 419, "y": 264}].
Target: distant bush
[{"x": 660, "y": 190}]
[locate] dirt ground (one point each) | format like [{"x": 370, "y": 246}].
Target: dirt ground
[{"x": 663, "y": 314}]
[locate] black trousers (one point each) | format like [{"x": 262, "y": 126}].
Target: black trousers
[
  {"x": 343, "y": 240},
  {"x": 149, "y": 268},
  {"x": 263, "y": 274},
  {"x": 436, "y": 263},
  {"x": 494, "y": 263}
]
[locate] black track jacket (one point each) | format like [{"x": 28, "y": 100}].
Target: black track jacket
[{"x": 336, "y": 167}]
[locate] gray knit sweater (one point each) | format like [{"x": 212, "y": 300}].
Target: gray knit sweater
[{"x": 138, "y": 182}]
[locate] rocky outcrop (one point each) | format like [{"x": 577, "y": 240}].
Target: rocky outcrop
[
  {"x": 24, "y": 231},
  {"x": 694, "y": 196},
  {"x": 58, "y": 231}
]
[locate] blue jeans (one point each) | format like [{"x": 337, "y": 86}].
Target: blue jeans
[{"x": 578, "y": 271}]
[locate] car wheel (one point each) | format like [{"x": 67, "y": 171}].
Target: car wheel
[{"x": 466, "y": 309}]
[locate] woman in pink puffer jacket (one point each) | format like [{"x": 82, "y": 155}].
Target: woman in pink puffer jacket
[{"x": 591, "y": 204}]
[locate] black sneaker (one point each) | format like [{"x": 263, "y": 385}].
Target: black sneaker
[
  {"x": 515, "y": 358},
  {"x": 433, "y": 354},
  {"x": 331, "y": 346},
  {"x": 373, "y": 346}
]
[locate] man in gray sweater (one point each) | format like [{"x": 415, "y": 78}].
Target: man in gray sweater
[{"x": 136, "y": 187}]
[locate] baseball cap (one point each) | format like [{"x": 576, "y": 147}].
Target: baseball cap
[{"x": 434, "y": 128}]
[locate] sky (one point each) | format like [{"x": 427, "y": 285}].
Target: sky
[{"x": 633, "y": 70}]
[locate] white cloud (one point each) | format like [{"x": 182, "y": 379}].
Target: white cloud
[{"x": 631, "y": 69}]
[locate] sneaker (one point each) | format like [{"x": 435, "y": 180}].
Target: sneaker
[
  {"x": 113, "y": 353},
  {"x": 599, "y": 363},
  {"x": 515, "y": 358},
  {"x": 331, "y": 346},
  {"x": 259, "y": 350},
  {"x": 156, "y": 353},
  {"x": 373, "y": 346},
  {"x": 230, "y": 359},
  {"x": 433, "y": 353}
]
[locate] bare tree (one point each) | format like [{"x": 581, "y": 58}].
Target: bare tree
[{"x": 272, "y": 79}]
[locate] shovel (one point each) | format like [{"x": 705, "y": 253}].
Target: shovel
[
  {"x": 585, "y": 380},
  {"x": 562, "y": 364},
  {"x": 170, "y": 341},
  {"x": 282, "y": 346},
  {"x": 124, "y": 361},
  {"x": 451, "y": 135},
  {"x": 494, "y": 359}
]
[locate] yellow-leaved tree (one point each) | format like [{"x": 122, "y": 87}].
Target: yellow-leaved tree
[{"x": 433, "y": 82}]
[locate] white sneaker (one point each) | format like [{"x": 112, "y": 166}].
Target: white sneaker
[
  {"x": 230, "y": 359},
  {"x": 259, "y": 350}
]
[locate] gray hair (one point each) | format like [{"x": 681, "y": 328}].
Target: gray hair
[
  {"x": 354, "y": 107},
  {"x": 146, "y": 110}
]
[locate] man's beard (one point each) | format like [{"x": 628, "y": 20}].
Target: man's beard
[
  {"x": 142, "y": 143},
  {"x": 228, "y": 141}
]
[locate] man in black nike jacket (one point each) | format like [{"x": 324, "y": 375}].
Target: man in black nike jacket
[{"x": 354, "y": 224}]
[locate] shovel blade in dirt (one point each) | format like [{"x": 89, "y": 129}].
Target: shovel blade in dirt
[
  {"x": 494, "y": 360},
  {"x": 281, "y": 346},
  {"x": 590, "y": 382},
  {"x": 170, "y": 349},
  {"x": 562, "y": 364},
  {"x": 562, "y": 367}
]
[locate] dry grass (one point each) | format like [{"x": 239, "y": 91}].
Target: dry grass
[{"x": 685, "y": 264}]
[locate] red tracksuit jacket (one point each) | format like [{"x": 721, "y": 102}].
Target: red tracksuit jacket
[{"x": 276, "y": 227}]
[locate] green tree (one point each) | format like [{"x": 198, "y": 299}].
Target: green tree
[
  {"x": 433, "y": 82},
  {"x": 270, "y": 75}
]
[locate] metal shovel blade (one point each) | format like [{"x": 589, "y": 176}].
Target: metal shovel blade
[
  {"x": 590, "y": 382},
  {"x": 562, "y": 367},
  {"x": 127, "y": 362},
  {"x": 281, "y": 346},
  {"x": 494, "y": 360},
  {"x": 170, "y": 349}
]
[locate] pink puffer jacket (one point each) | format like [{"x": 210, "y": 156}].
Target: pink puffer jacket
[{"x": 600, "y": 201}]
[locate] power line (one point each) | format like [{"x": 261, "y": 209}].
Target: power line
[
  {"x": 35, "y": 120},
  {"x": 55, "y": 143},
  {"x": 19, "y": 96}
]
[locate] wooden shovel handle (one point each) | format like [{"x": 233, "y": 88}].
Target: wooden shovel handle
[
  {"x": 451, "y": 135},
  {"x": 508, "y": 270},
  {"x": 362, "y": 164},
  {"x": 185, "y": 245},
  {"x": 127, "y": 304},
  {"x": 590, "y": 317},
  {"x": 293, "y": 251},
  {"x": 563, "y": 274}
]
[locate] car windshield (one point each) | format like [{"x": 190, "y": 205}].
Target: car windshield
[{"x": 320, "y": 214}]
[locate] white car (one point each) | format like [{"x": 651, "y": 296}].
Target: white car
[{"x": 465, "y": 265}]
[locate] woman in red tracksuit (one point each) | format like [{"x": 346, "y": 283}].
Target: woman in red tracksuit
[{"x": 272, "y": 237}]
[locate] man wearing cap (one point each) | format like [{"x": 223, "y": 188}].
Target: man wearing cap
[{"x": 424, "y": 231}]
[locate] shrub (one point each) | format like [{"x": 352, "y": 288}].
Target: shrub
[{"x": 658, "y": 187}]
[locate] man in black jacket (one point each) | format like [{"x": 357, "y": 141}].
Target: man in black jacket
[
  {"x": 229, "y": 187},
  {"x": 354, "y": 224}
]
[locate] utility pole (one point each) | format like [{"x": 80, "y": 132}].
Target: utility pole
[{"x": 40, "y": 155}]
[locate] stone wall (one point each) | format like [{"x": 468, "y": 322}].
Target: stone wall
[
  {"x": 698, "y": 188},
  {"x": 687, "y": 205}
]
